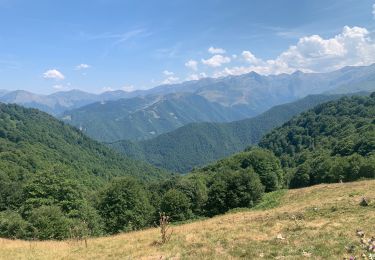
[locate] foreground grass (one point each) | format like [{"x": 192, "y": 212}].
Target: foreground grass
[{"x": 316, "y": 222}]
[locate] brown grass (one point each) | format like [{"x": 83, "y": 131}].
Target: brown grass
[{"x": 316, "y": 222}]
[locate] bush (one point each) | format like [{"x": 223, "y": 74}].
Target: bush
[
  {"x": 48, "y": 222},
  {"x": 124, "y": 206},
  {"x": 12, "y": 225},
  {"x": 88, "y": 217},
  {"x": 228, "y": 190},
  {"x": 266, "y": 165},
  {"x": 52, "y": 187},
  {"x": 194, "y": 187},
  {"x": 302, "y": 177},
  {"x": 176, "y": 205}
]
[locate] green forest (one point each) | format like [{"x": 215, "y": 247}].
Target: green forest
[
  {"x": 333, "y": 142},
  {"x": 56, "y": 183}
]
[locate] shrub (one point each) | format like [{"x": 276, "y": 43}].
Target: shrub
[
  {"x": 48, "y": 222},
  {"x": 124, "y": 206},
  {"x": 302, "y": 177},
  {"x": 228, "y": 190},
  {"x": 176, "y": 205},
  {"x": 52, "y": 187},
  {"x": 195, "y": 188},
  {"x": 12, "y": 225}
]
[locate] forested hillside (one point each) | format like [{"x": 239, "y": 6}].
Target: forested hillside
[
  {"x": 32, "y": 141},
  {"x": 48, "y": 171},
  {"x": 51, "y": 197},
  {"x": 333, "y": 142},
  {"x": 55, "y": 183},
  {"x": 146, "y": 117},
  {"x": 197, "y": 144}
]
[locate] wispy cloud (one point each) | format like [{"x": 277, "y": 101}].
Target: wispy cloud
[
  {"x": 168, "y": 73},
  {"x": 82, "y": 66},
  {"x": 128, "y": 88},
  {"x": 121, "y": 38},
  {"x": 214, "y": 50},
  {"x": 192, "y": 64},
  {"x": 58, "y": 87},
  {"x": 169, "y": 52},
  {"x": 116, "y": 39},
  {"x": 107, "y": 89}
]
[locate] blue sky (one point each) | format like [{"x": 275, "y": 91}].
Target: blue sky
[{"x": 97, "y": 45}]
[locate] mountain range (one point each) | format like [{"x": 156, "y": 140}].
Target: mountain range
[
  {"x": 146, "y": 117},
  {"x": 208, "y": 100},
  {"x": 144, "y": 114},
  {"x": 58, "y": 102},
  {"x": 197, "y": 144}
]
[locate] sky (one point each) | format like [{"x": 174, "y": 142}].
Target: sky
[{"x": 100, "y": 45}]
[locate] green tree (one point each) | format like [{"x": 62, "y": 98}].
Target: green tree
[
  {"x": 233, "y": 189},
  {"x": 176, "y": 205},
  {"x": 53, "y": 187},
  {"x": 124, "y": 205},
  {"x": 301, "y": 177},
  {"x": 194, "y": 186},
  {"x": 266, "y": 165},
  {"x": 49, "y": 222}
]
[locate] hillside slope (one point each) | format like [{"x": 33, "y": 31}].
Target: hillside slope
[
  {"x": 33, "y": 141},
  {"x": 333, "y": 141},
  {"x": 146, "y": 117},
  {"x": 319, "y": 222},
  {"x": 197, "y": 144}
]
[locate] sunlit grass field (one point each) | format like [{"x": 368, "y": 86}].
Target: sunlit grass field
[{"x": 319, "y": 222}]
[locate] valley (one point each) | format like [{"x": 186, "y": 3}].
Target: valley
[
  {"x": 187, "y": 129},
  {"x": 197, "y": 144}
]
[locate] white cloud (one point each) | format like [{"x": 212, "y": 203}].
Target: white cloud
[
  {"x": 53, "y": 74},
  {"x": 213, "y": 50},
  {"x": 64, "y": 87},
  {"x": 216, "y": 61},
  {"x": 128, "y": 88},
  {"x": 58, "y": 87},
  {"x": 192, "y": 64},
  {"x": 168, "y": 73},
  {"x": 107, "y": 89},
  {"x": 352, "y": 47},
  {"x": 171, "y": 80},
  {"x": 373, "y": 10},
  {"x": 249, "y": 57},
  {"x": 196, "y": 76},
  {"x": 82, "y": 66}
]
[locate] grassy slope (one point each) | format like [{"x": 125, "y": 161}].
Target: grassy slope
[{"x": 319, "y": 220}]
